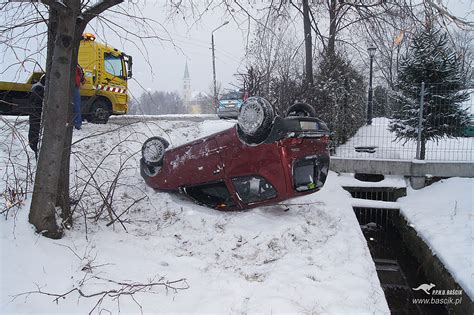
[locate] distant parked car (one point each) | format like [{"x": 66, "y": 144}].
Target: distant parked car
[
  {"x": 263, "y": 160},
  {"x": 230, "y": 104}
]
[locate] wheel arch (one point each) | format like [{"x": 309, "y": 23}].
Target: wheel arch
[
  {"x": 88, "y": 101},
  {"x": 106, "y": 100},
  {"x": 93, "y": 104}
]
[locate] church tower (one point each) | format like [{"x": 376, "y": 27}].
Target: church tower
[{"x": 186, "y": 86}]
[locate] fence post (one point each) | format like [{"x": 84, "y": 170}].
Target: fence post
[{"x": 420, "y": 121}]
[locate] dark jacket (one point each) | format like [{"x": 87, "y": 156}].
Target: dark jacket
[
  {"x": 36, "y": 103},
  {"x": 36, "y": 99}
]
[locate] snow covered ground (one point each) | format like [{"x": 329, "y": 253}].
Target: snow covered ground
[
  {"x": 310, "y": 259},
  {"x": 442, "y": 214},
  {"x": 377, "y": 135}
]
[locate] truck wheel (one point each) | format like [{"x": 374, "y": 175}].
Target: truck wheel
[
  {"x": 153, "y": 151},
  {"x": 301, "y": 110},
  {"x": 255, "y": 119},
  {"x": 100, "y": 112}
]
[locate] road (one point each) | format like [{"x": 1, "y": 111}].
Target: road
[{"x": 128, "y": 119}]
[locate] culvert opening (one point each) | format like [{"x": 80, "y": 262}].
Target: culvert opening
[
  {"x": 369, "y": 177},
  {"x": 397, "y": 269},
  {"x": 377, "y": 193},
  {"x": 382, "y": 218}
]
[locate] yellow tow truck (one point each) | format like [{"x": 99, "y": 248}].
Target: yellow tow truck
[{"x": 104, "y": 92}]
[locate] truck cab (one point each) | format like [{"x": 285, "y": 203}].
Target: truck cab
[{"x": 106, "y": 71}]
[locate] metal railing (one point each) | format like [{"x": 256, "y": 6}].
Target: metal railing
[{"x": 435, "y": 122}]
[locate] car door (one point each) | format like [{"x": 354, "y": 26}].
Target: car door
[{"x": 195, "y": 163}]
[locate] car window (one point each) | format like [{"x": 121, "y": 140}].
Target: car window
[
  {"x": 214, "y": 195},
  {"x": 305, "y": 174},
  {"x": 113, "y": 64},
  {"x": 311, "y": 125},
  {"x": 233, "y": 96},
  {"x": 253, "y": 189}
]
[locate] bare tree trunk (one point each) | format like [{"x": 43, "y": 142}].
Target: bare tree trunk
[
  {"x": 331, "y": 48},
  {"x": 43, "y": 211},
  {"x": 63, "y": 198},
  {"x": 308, "y": 44},
  {"x": 423, "y": 148}
]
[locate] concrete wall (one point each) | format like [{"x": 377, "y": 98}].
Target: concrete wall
[
  {"x": 416, "y": 169},
  {"x": 403, "y": 167}
]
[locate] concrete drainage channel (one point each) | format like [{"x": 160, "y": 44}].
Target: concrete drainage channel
[{"x": 403, "y": 261}]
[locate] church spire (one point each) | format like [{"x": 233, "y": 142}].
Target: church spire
[
  {"x": 186, "y": 72},
  {"x": 186, "y": 86}
]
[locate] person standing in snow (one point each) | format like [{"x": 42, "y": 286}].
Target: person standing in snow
[
  {"x": 36, "y": 101},
  {"x": 78, "y": 82}
]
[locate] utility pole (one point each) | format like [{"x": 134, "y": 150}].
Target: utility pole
[
  {"x": 371, "y": 51},
  {"x": 216, "y": 104},
  {"x": 308, "y": 43}
]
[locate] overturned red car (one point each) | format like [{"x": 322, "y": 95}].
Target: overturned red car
[{"x": 263, "y": 160}]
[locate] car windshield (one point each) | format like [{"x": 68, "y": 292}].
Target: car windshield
[
  {"x": 113, "y": 64},
  {"x": 253, "y": 189},
  {"x": 214, "y": 195},
  {"x": 233, "y": 96}
]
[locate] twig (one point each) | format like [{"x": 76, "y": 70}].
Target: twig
[{"x": 122, "y": 289}]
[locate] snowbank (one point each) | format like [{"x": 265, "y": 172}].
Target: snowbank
[
  {"x": 312, "y": 258},
  {"x": 442, "y": 214}
]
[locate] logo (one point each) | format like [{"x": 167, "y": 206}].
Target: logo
[
  {"x": 425, "y": 287},
  {"x": 438, "y": 297}
]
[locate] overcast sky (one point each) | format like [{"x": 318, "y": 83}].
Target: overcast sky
[{"x": 191, "y": 43}]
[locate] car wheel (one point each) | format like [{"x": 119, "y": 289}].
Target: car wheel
[
  {"x": 153, "y": 151},
  {"x": 255, "y": 119},
  {"x": 300, "y": 110},
  {"x": 100, "y": 112}
]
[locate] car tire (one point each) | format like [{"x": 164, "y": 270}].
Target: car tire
[
  {"x": 255, "y": 120},
  {"x": 301, "y": 110},
  {"x": 100, "y": 112},
  {"x": 153, "y": 151}
]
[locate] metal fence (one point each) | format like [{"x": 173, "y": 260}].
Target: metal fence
[{"x": 433, "y": 122}]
